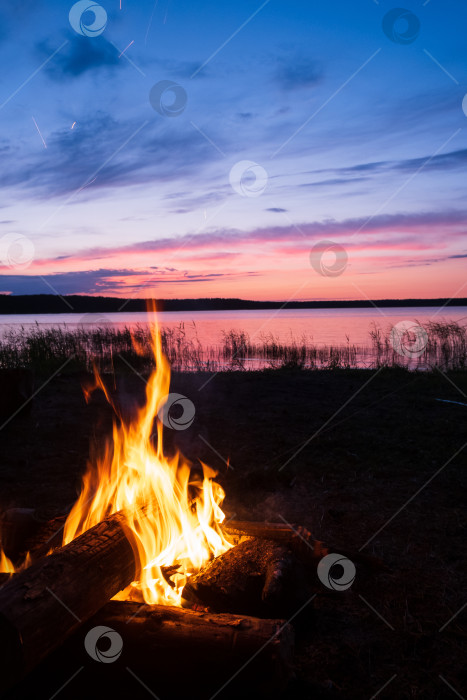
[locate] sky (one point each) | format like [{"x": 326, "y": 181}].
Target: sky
[{"x": 270, "y": 150}]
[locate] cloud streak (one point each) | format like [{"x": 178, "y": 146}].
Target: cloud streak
[
  {"x": 158, "y": 154},
  {"x": 79, "y": 56},
  {"x": 427, "y": 223},
  {"x": 101, "y": 281}
]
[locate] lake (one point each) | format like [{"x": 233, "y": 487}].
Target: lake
[{"x": 320, "y": 326}]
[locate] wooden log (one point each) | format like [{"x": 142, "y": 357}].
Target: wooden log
[
  {"x": 17, "y": 525},
  {"x": 42, "y": 605},
  {"x": 257, "y": 577},
  {"x": 48, "y": 537},
  {"x": 4, "y": 578},
  {"x": 294, "y": 536},
  {"x": 26, "y": 529},
  {"x": 300, "y": 540},
  {"x": 160, "y": 631},
  {"x": 176, "y": 653},
  {"x": 49, "y": 533},
  {"x": 36, "y": 532}
]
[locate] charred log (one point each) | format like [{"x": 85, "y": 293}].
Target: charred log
[
  {"x": 295, "y": 537},
  {"x": 28, "y": 530},
  {"x": 176, "y": 653},
  {"x": 224, "y": 642},
  {"x": 257, "y": 577},
  {"x": 41, "y": 606},
  {"x": 300, "y": 541}
]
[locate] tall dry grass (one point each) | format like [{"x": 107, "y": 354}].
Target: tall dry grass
[{"x": 110, "y": 346}]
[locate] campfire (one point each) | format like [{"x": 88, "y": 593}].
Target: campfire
[
  {"x": 171, "y": 516},
  {"x": 148, "y": 533}
]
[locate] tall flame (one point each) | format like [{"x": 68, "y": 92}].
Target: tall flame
[{"x": 173, "y": 517}]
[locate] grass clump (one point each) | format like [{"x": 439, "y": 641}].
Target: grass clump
[{"x": 444, "y": 346}]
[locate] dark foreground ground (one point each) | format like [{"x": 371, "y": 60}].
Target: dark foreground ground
[{"x": 365, "y": 460}]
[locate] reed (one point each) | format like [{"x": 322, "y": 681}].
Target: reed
[{"x": 110, "y": 347}]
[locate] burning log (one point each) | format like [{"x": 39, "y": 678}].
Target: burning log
[
  {"x": 161, "y": 633},
  {"x": 267, "y": 574},
  {"x": 24, "y": 530},
  {"x": 296, "y": 537},
  {"x": 174, "y": 652},
  {"x": 300, "y": 541},
  {"x": 17, "y": 525},
  {"x": 224, "y": 639},
  {"x": 257, "y": 577},
  {"x": 271, "y": 570},
  {"x": 28, "y": 530},
  {"x": 41, "y": 606}
]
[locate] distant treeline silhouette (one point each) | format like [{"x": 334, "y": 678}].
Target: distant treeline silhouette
[{"x": 54, "y": 304}]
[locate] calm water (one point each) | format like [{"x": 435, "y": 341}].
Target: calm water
[{"x": 322, "y": 326}]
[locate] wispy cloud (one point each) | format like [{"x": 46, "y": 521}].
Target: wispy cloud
[
  {"x": 80, "y": 56},
  {"x": 428, "y": 223},
  {"x": 298, "y": 72},
  {"x": 444, "y": 161},
  {"x": 158, "y": 154},
  {"x": 102, "y": 281}
]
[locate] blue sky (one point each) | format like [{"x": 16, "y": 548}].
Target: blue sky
[{"x": 359, "y": 140}]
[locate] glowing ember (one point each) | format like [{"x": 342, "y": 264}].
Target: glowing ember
[{"x": 173, "y": 516}]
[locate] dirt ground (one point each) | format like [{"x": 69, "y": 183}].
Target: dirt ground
[{"x": 365, "y": 460}]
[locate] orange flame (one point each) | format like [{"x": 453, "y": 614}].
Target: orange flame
[
  {"x": 6, "y": 565},
  {"x": 174, "y": 518}
]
